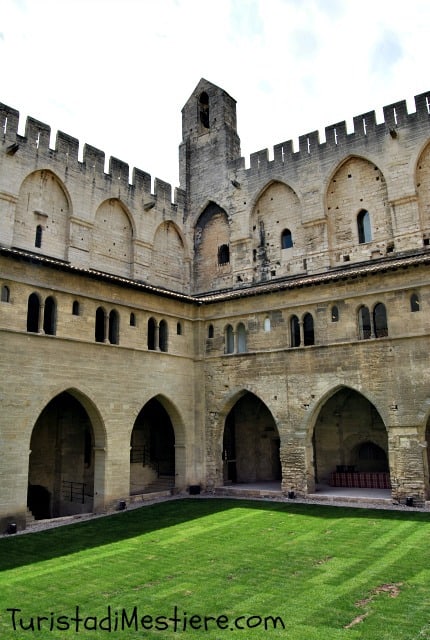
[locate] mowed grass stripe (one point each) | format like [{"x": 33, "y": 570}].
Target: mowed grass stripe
[{"x": 309, "y": 564}]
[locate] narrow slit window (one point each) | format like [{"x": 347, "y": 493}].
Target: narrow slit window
[
  {"x": 295, "y": 331},
  {"x": 5, "y": 293},
  {"x": 223, "y": 254},
  {"x": 364, "y": 323},
  {"x": 286, "y": 239},
  {"x": 363, "y": 226},
  {"x": 415, "y": 303},
  {"x": 38, "y": 238},
  {"x": 204, "y": 109}
]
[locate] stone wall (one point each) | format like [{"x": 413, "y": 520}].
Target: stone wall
[{"x": 116, "y": 296}]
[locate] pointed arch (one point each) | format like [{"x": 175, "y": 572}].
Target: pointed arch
[
  {"x": 157, "y": 446},
  {"x": 341, "y": 422},
  {"x": 357, "y": 186},
  {"x": 251, "y": 442},
  {"x": 212, "y": 240},
  {"x": 170, "y": 257},
  {"x": 422, "y": 171},
  {"x": 112, "y": 238},
  {"x": 67, "y": 463},
  {"x": 42, "y": 216},
  {"x": 276, "y": 215}
]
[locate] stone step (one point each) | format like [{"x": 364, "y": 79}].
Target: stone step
[{"x": 29, "y": 517}]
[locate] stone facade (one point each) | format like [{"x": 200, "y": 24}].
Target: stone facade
[{"x": 268, "y": 324}]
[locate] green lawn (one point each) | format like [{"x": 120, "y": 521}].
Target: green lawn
[{"x": 203, "y": 568}]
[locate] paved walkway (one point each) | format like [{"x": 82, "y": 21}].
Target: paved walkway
[{"x": 320, "y": 492}]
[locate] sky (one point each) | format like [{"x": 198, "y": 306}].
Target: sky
[{"x": 116, "y": 73}]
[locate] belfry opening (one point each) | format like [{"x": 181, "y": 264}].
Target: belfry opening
[
  {"x": 61, "y": 464},
  {"x": 250, "y": 443},
  {"x": 152, "y": 450}
]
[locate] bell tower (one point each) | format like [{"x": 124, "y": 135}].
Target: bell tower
[{"x": 210, "y": 144}]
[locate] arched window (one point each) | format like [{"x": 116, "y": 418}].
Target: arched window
[
  {"x": 308, "y": 330},
  {"x": 33, "y": 311},
  {"x": 380, "y": 320},
  {"x": 178, "y": 329},
  {"x": 223, "y": 254},
  {"x": 132, "y": 319},
  {"x": 100, "y": 325},
  {"x": 210, "y": 331},
  {"x": 415, "y": 302},
  {"x": 114, "y": 327},
  {"x": 334, "y": 314},
  {"x": 364, "y": 327},
  {"x": 151, "y": 334},
  {"x": 286, "y": 239},
  {"x": 267, "y": 325},
  {"x": 5, "y": 293},
  {"x": 75, "y": 308},
  {"x": 229, "y": 339},
  {"x": 49, "y": 316},
  {"x": 295, "y": 331},
  {"x": 38, "y": 237},
  {"x": 363, "y": 226},
  {"x": 204, "y": 109},
  {"x": 241, "y": 338},
  {"x": 163, "y": 335}
]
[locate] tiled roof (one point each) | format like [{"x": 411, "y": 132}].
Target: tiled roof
[{"x": 292, "y": 282}]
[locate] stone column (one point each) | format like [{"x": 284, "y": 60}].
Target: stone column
[
  {"x": 106, "y": 329},
  {"x": 41, "y": 316},
  {"x": 407, "y": 469}
]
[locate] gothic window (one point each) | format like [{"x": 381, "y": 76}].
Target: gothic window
[
  {"x": 114, "y": 327},
  {"x": 49, "y": 316},
  {"x": 241, "y": 338},
  {"x": 415, "y": 302},
  {"x": 380, "y": 320},
  {"x": 132, "y": 319},
  {"x": 223, "y": 254},
  {"x": 75, "y": 308},
  {"x": 100, "y": 325},
  {"x": 38, "y": 238},
  {"x": 204, "y": 109},
  {"x": 308, "y": 330},
  {"x": 294, "y": 331},
  {"x": 334, "y": 314},
  {"x": 163, "y": 335},
  {"x": 364, "y": 323},
  {"x": 211, "y": 331},
  {"x": 286, "y": 239},
  {"x": 363, "y": 226},
  {"x": 151, "y": 334},
  {"x": 33, "y": 310},
  {"x": 5, "y": 293},
  {"x": 229, "y": 339}
]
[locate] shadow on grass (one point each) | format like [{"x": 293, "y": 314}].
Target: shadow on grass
[{"x": 18, "y": 550}]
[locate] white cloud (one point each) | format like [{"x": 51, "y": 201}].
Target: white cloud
[{"x": 116, "y": 73}]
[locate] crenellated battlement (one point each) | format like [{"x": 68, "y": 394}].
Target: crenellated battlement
[
  {"x": 366, "y": 130},
  {"x": 36, "y": 140}
]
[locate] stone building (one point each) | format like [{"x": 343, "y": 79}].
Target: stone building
[{"x": 268, "y": 323}]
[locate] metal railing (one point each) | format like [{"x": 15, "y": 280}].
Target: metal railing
[{"x": 74, "y": 491}]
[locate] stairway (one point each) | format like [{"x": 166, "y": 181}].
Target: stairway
[{"x": 162, "y": 483}]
